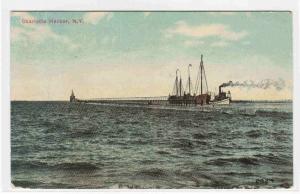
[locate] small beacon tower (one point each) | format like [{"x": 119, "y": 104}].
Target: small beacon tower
[{"x": 72, "y": 97}]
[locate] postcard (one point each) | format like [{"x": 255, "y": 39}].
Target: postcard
[{"x": 151, "y": 99}]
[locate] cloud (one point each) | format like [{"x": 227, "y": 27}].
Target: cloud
[
  {"x": 246, "y": 43},
  {"x": 95, "y": 17},
  {"x": 206, "y": 30},
  {"x": 34, "y": 33},
  {"x": 193, "y": 43},
  {"x": 219, "y": 44},
  {"x": 37, "y": 33}
]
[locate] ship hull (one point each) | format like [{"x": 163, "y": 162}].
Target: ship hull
[{"x": 225, "y": 101}]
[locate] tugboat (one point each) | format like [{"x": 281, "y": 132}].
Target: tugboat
[{"x": 222, "y": 98}]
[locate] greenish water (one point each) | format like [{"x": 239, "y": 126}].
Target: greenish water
[{"x": 65, "y": 145}]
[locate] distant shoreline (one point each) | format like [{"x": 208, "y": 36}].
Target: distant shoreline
[
  {"x": 261, "y": 101},
  {"x": 234, "y": 101}
]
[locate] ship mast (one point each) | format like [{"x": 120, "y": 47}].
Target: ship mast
[
  {"x": 201, "y": 65},
  {"x": 203, "y": 70},
  {"x": 200, "y": 76},
  {"x": 205, "y": 80},
  {"x": 190, "y": 65},
  {"x": 176, "y": 82},
  {"x": 180, "y": 85}
]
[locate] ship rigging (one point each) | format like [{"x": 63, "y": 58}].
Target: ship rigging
[{"x": 201, "y": 95}]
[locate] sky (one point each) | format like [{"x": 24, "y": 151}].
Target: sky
[{"x": 127, "y": 54}]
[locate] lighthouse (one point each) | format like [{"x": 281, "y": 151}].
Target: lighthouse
[{"x": 72, "y": 97}]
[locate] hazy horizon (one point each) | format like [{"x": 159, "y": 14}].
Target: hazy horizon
[{"x": 234, "y": 100}]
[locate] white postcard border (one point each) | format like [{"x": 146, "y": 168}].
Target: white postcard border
[{"x": 139, "y": 5}]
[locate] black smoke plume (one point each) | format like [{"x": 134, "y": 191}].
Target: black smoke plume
[{"x": 263, "y": 84}]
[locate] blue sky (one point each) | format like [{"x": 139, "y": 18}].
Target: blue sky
[{"x": 115, "y": 54}]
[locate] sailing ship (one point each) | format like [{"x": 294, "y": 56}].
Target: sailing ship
[{"x": 200, "y": 96}]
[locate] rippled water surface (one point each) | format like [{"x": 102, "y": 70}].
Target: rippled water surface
[{"x": 64, "y": 145}]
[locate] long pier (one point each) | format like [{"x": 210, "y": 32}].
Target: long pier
[{"x": 125, "y": 100}]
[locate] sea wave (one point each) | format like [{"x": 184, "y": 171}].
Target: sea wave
[
  {"x": 229, "y": 161},
  {"x": 59, "y": 166},
  {"x": 153, "y": 172}
]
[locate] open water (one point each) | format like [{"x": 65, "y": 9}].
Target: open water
[{"x": 69, "y": 145}]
